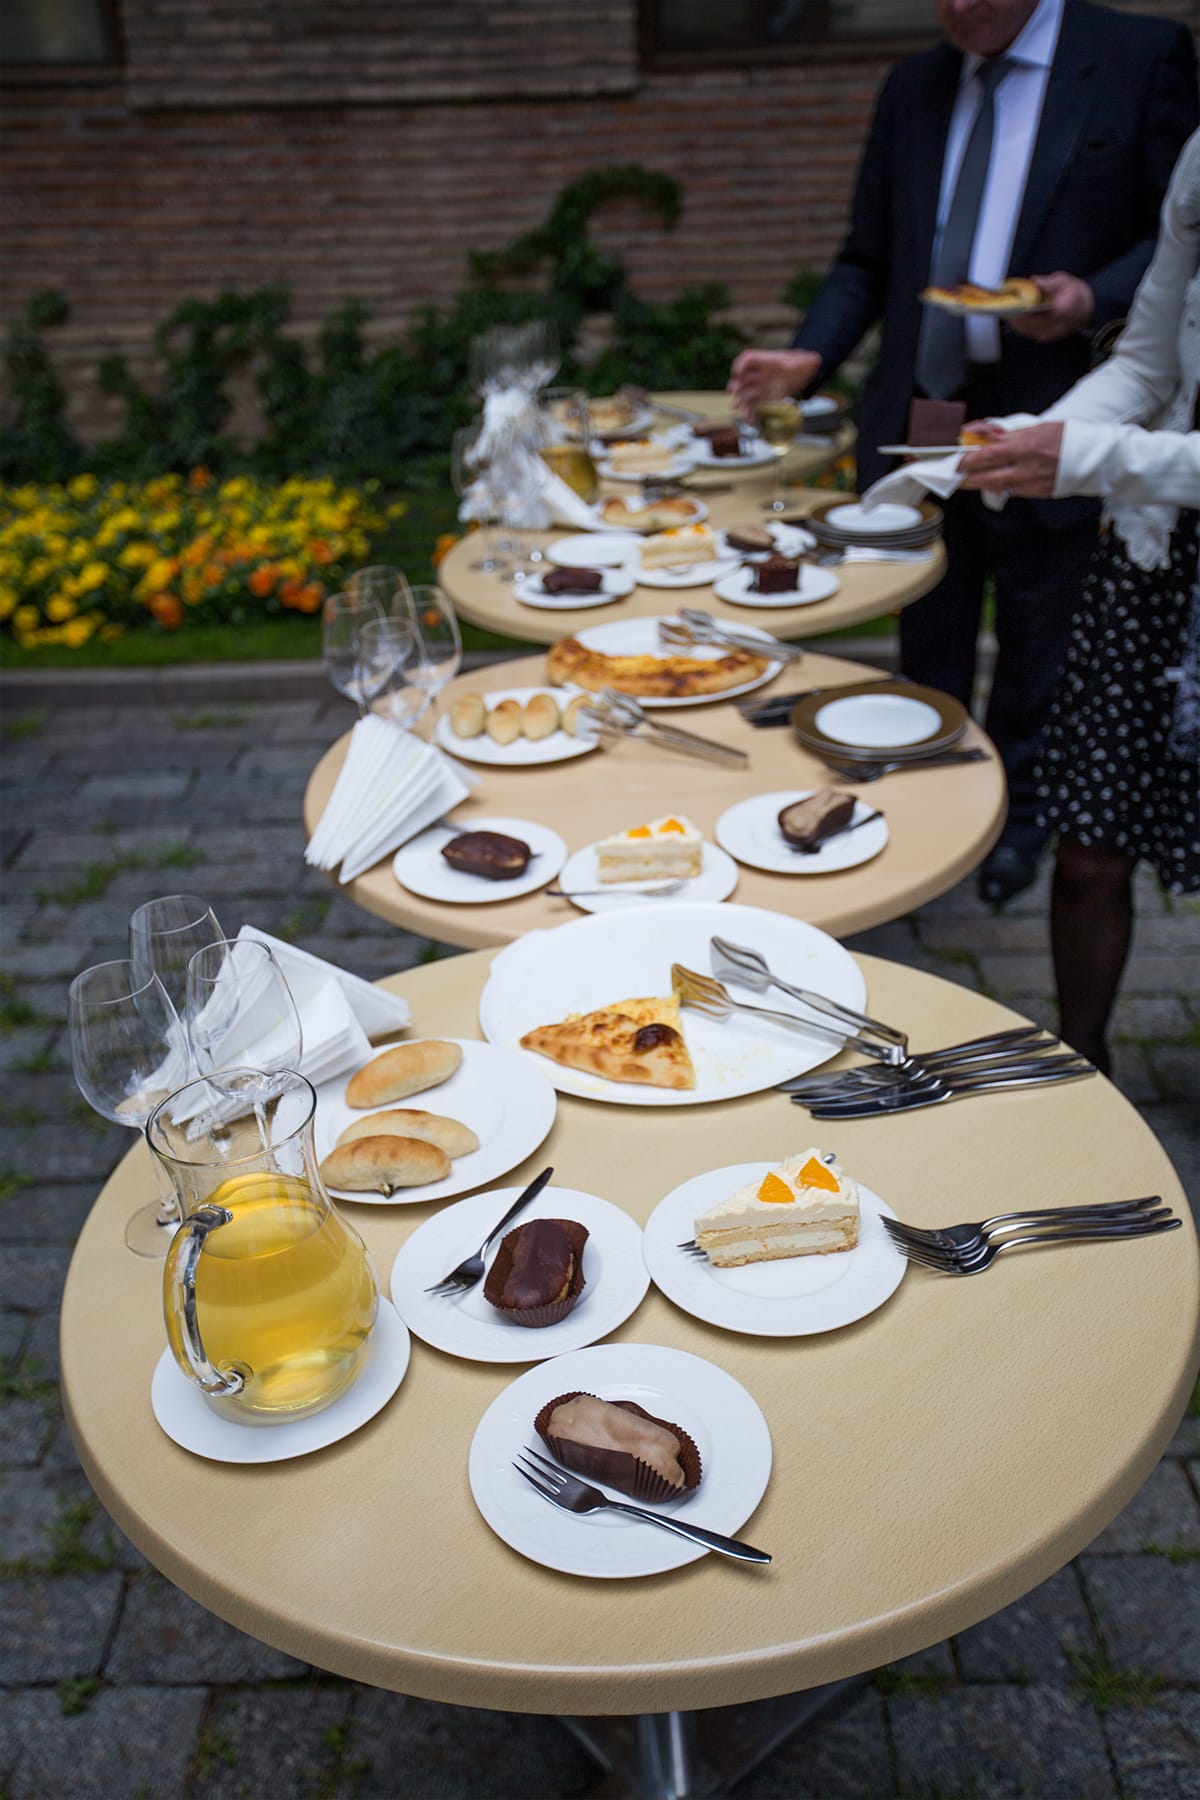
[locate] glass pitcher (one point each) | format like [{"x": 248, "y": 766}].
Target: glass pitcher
[{"x": 269, "y": 1295}]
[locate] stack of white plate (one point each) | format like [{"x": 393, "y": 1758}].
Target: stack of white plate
[
  {"x": 847, "y": 524},
  {"x": 862, "y": 722}
]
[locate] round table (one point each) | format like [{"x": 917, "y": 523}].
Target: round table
[
  {"x": 868, "y": 590},
  {"x": 931, "y": 1462},
  {"x": 942, "y": 822}
]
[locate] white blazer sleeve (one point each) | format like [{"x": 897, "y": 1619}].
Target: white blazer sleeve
[{"x": 1126, "y": 464}]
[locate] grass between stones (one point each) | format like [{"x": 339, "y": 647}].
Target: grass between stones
[{"x": 1098, "y": 1680}]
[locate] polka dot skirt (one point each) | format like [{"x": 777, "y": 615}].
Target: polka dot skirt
[{"x": 1106, "y": 776}]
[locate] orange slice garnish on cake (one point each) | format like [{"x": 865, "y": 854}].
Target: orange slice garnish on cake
[
  {"x": 815, "y": 1174},
  {"x": 774, "y": 1192}
]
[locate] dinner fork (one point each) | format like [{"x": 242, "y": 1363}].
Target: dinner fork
[
  {"x": 958, "y": 1240},
  {"x": 742, "y": 963},
  {"x": 466, "y": 1273},
  {"x": 935, "y": 1090},
  {"x": 916, "y": 1073},
  {"x": 1022, "y": 1039},
  {"x": 1151, "y": 1224},
  {"x": 573, "y": 1495},
  {"x": 875, "y": 771},
  {"x": 619, "y": 890},
  {"x": 705, "y": 995}
]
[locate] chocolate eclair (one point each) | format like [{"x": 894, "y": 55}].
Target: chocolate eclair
[
  {"x": 536, "y": 1277},
  {"x": 488, "y": 853},
  {"x": 572, "y": 581},
  {"x": 621, "y": 1444},
  {"x": 807, "y": 823}
]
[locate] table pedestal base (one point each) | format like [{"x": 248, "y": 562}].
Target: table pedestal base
[{"x": 698, "y": 1755}]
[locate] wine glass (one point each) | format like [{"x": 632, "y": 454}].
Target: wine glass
[
  {"x": 542, "y": 352},
  {"x": 342, "y": 617},
  {"x": 382, "y": 586},
  {"x": 128, "y": 1052},
  {"x": 466, "y": 475},
  {"x": 779, "y": 417},
  {"x": 240, "y": 1012},
  {"x": 439, "y": 642},
  {"x": 493, "y": 358},
  {"x": 566, "y": 445},
  {"x": 164, "y": 934},
  {"x": 387, "y": 648}
]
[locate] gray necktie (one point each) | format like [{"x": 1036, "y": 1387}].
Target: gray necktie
[{"x": 941, "y": 349}]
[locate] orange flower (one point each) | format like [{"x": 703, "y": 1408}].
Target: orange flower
[
  {"x": 197, "y": 550},
  {"x": 320, "y": 551},
  {"x": 199, "y": 478},
  {"x": 290, "y": 592},
  {"x": 214, "y": 574},
  {"x": 166, "y": 610},
  {"x": 446, "y": 542},
  {"x": 309, "y": 599},
  {"x": 262, "y": 580}
]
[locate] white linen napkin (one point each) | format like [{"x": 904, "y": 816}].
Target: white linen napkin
[
  {"x": 376, "y": 1011},
  {"x": 909, "y": 485},
  {"x": 391, "y": 786}
]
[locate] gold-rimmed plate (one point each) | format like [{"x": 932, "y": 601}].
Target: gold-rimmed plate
[{"x": 869, "y": 719}]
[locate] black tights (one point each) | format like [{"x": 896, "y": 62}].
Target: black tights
[{"x": 1091, "y": 923}]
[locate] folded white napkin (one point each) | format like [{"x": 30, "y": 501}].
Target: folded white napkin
[
  {"x": 909, "y": 485},
  {"x": 391, "y": 786},
  {"x": 376, "y": 1011}
]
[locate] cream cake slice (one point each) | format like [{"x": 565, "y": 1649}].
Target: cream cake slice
[
  {"x": 664, "y": 849},
  {"x": 805, "y": 1207},
  {"x": 680, "y": 546}
]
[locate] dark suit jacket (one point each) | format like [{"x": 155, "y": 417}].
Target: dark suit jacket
[{"x": 1120, "y": 101}]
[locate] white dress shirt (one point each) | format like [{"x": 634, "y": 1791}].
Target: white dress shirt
[{"x": 1018, "y": 104}]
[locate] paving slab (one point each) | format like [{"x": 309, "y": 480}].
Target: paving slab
[
  {"x": 1030, "y": 1640},
  {"x": 993, "y": 1743},
  {"x": 1156, "y": 1750},
  {"x": 126, "y": 1743},
  {"x": 165, "y": 1636},
  {"x": 1149, "y": 1614}
]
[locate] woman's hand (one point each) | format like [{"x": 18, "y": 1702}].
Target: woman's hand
[{"x": 1024, "y": 463}]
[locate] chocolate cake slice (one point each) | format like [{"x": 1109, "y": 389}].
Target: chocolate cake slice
[{"x": 572, "y": 581}]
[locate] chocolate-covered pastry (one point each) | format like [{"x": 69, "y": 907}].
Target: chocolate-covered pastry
[
  {"x": 488, "y": 853},
  {"x": 778, "y": 575},
  {"x": 750, "y": 538},
  {"x": 572, "y": 581},
  {"x": 621, "y": 1444},
  {"x": 726, "y": 441},
  {"x": 935, "y": 421},
  {"x": 536, "y": 1277},
  {"x": 807, "y": 823}
]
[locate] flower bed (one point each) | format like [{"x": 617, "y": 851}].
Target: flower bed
[{"x": 96, "y": 559}]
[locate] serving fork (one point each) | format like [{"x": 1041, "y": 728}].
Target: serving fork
[
  {"x": 705, "y": 995},
  {"x": 743, "y": 964},
  {"x": 962, "y": 1240},
  {"x": 573, "y": 1495},
  {"x": 620, "y": 715},
  {"x": 469, "y": 1271},
  {"x": 974, "y": 1262},
  {"x": 695, "y": 627}
]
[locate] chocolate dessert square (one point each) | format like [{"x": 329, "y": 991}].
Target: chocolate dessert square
[
  {"x": 778, "y": 575},
  {"x": 726, "y": 441},
  {"x": 935, "y": 421},
  {"x": 572, "y": 581}
]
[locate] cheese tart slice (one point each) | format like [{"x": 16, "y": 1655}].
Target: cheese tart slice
[
  {"x": 631, "y": 1040},
  {"x": 667, "y": 848},
  {"x": 805, "y": 1207},
  {"x": 677, "y": 548}
]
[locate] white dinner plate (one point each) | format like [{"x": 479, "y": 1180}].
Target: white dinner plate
[
  {"x": 754, "y": 454},
  {"x": 525, "y": 752},
  {"x": 962, "y": 309},
  {"x": 636, "y": 424},
  {"x": 470, "y": 1326},
  {"x": 716, "y": 881},
  {"x": 636, "y": 503},
  {"x": 614, "y": 585},
  {"x": 599, "y": 549},
  {"x": 508, "y": 1103},
  {"x": 687, "y": 575},
  {"x": 715, "y": 1410},
  {"x": 819, "y": 406},
  {"x": 872, "y": 521},
  {"x": 639, "y": 637},
  {"x": 811, "y": 584},
  {"x": 794, "y": 1296},
  {"x": 920, "y": 449},
  {"x": 750, "y": 831},
  {"x": 191, "y": 1422},
  {"x": 878, "y": 721},
  {"x": 592, "y": 962},
  {"x": 789, "y": 540},
  {"x": 674, "y": 464},
  {"x": 420, "y": 866}
]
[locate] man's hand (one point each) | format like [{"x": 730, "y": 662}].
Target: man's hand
[
  {"x": 759, "y": 375},
  {"x": 1072, "y": 308},
  {"x": 1017, "y": 462}
]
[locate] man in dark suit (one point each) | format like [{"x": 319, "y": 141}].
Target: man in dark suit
[{"x": 1064, "y": 119}]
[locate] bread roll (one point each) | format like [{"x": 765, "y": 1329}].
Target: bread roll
[
  {"x": 403, "y": 1070},
  {"x": 380, "y": 1165},
  {"x": 431, "y": 1128},
  {"x": 468, "y": 716},
  {"x": 541, "y": 716},
  {"x": 571, "y": 712},
  {"x": 505, "y": 721}
]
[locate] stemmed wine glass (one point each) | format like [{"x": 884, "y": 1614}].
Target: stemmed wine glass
[
  {"x": 465, "y": 474},
  {"x": 439, "y": 642},
  {"x": 542, "y": 353},
  {"x": 342, "y": 618},
  {"x": 779, "y": 418},
  {"x": 164, "y": 934},
  {"x": 128, "y": 1052},
  {"x": 387, "y": 648},
  {"x": 240, "y": 1011},
  {"x": 383, "y": 586}
]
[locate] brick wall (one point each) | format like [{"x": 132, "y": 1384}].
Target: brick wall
[{"x": 363, "y": 151}]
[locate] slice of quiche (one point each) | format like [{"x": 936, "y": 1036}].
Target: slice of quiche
[{"x": 631, "y": 1040}]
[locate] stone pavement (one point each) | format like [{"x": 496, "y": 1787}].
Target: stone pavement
[{"x": 114, "y": 1684}]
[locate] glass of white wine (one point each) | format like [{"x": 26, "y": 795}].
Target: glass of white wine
[
  {"x": 566, "y": 445},
  {"x": 779, "y": 418}
]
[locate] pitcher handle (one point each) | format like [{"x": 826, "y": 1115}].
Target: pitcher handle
[{"x": 185, "y": 1254}]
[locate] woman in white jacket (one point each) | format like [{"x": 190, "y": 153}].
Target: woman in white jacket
[{"x": 1120, "y": 765}]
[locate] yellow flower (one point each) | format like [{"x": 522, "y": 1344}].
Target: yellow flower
[
  {"x": 83, "y": 487},
  {"x": 93, "y": 575},
  {"x": 60, "y": 607},
  {"x": 77, "y": 632},
  {"x": 26, "y": 618}
]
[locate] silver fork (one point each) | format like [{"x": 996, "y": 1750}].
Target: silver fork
[
  {"x": 621, "y": 890},
  {"x": 744, "y": 964},
  {"x": 705, "y": 995},
  {"x": 974, "y": 1263},
  {"x": 958, "y": 1240},
  {"x": 470, "y": 1270},
  {"x": 688, "y": 629},
  {"x": 573, "y": 1495},
  {"x": 936, "y": 1090},
  {"x": 873, "y": 1083},
  {"x": 875, "y": 771},
  {"x": 1025, "y": 1039}
]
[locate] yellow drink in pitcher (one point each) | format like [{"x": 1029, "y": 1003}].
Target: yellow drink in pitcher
[
  {"x": 574, "y": 464},
  {"x": 285, "y": 1292}
]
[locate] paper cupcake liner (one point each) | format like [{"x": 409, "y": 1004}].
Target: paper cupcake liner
[
  {"x": 550, "y": 1311},
  {"x": 618, "y": 1468}
]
